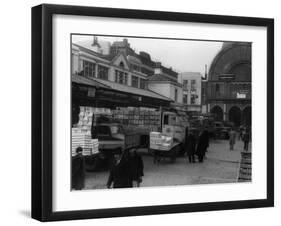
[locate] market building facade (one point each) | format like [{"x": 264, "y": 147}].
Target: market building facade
[
  {"x": 110, "y": 76},
  {"x": 229, "y": 84}
]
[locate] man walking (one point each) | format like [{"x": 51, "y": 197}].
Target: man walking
[
  {"x": 78, "y": 170},
  {"x": 120, "y": 174},
  {"x": 232, "y": 136},
  {"x": 190, "y": 145},
  {"x": 246, "y": 139},
  {"x": 203, "y": 144}
]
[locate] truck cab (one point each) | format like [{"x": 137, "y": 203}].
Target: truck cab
[{"x": 174, "y": 125}]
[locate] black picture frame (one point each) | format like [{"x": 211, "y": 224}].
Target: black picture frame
[{"x": 42, "y": 111}]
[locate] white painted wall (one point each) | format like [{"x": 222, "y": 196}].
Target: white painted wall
[
  {"x": 161, "y": 88},
  {"x": 166, "y": 89}
]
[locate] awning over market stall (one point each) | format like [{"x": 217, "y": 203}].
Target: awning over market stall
[{"x": 103, "y": 93}]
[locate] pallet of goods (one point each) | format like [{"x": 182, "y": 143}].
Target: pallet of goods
[
  {"x": 81, "y": 139},
  {"x": 245, "y": 168},
  {"x": 86, "y": 117},
  {"x": 159, "y": 141}
]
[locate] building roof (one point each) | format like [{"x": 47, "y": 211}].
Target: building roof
[
  {"x": 191, "y": 74},
  {"x": 88, "y": 44},
  {"x": 132, "y": 90},
  {"x": 161, "y": 78},
  {"x": 141, "y": 57},
  {"x": 234, "y": 58},
  {"x": 87, "y": 81}
]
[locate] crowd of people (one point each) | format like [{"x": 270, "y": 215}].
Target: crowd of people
[
  {"x": 126, "y": 169},
  {"x": 195, "y": 148},
  {"x": 244, "y": 135},
  {"x": 198, "y": 145}
]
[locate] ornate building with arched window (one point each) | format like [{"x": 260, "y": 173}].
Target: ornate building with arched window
[{"x": 229, "y": 84}]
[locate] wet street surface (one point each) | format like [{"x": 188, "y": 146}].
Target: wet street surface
[{"x": 220, "y": 166}]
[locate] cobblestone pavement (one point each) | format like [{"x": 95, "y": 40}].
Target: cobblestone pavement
[{"x": 220, "y": 166}]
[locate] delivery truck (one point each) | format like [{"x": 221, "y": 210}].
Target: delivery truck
[{"x": 127, "y": 128}]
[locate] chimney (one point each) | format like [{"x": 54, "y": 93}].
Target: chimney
[
  {"x": 157, "y": 69},
  {"x": 206, "y": 73},
  {"x": 126, "y": 43}
]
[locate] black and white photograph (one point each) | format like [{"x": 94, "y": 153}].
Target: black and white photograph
[{"x": 151, "y": 112}]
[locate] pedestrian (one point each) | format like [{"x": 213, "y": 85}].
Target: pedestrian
[
  {"x": 78, "y": 170},
  {"x": 120, "y": 174},
  {"x": 136, "y": 165},
  {"x": 232, "y": 137},
  {"x": 246, "y": 139},
  {"x": 190, "y": 147},
  {"x": 241, "y": 133},
  {"x": 203, "y": 144}
]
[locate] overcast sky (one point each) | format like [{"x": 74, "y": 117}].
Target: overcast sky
[{"x": 181, "y": 55}]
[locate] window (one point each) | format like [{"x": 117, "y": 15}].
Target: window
[
  {"x": 89, "y": 69},
  {"x": 102, "y": 72},
  {"x": 193, "y": 83},
  {"x": 185, "y": 84},
  {"x": 142, "y": 83},
  {"x": 176, "y": 95},
  {"x": 135, "y": 81},
  {"x": 184, "y": 99},
  {"x": 218, "y": 89},
  {"x": 166, "y": 120},
  {"x": 193, "y": 99},
  {"x": 121, "y": 64},
  {"x": 121, "y": 77}
]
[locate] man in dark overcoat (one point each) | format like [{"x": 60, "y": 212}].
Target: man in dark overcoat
[
  {"x": 203, "y": 144},
  {"x": 120, "y": 174},
  {"x": 78, "y": 170},
  {"x": 190, "y": 147},
  {"x": 136, "y": 165}
]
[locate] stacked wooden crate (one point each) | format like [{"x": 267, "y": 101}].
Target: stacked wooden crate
[
  {"x": 245, "y": 169},
  {"x": 81, "y": 139},
  {"x": 135, "y": 117},
  {"x": 86, "y": 117}
]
